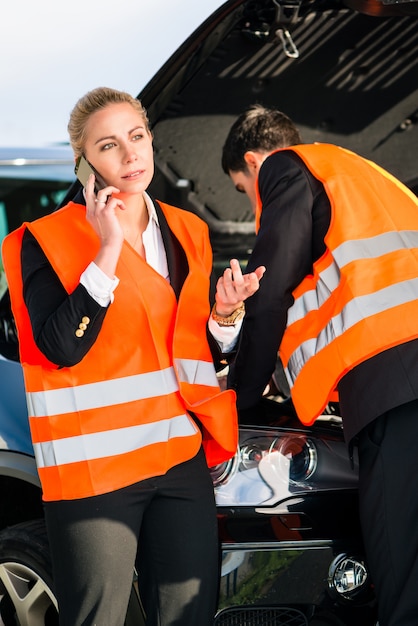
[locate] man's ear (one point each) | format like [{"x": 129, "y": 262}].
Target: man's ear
[
  {"x": 250, "y": 157},
  {"x": 254, "y": 159}
]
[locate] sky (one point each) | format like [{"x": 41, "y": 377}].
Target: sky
[{"x": 52, "y": 52}]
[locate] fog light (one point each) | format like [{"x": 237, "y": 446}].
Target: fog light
[{"x": 347, "y": 576}]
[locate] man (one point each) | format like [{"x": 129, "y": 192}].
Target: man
[{"x": 339, "y": 303}]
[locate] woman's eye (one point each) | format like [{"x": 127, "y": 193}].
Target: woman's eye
[
  {"x": 138, "y": 136},
  {"x": 107, "y": 146}
]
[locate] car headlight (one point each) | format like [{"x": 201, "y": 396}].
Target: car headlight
[
  {"x": 221, "y": 473},
  {"x": 270, "y": 466},
  {"x": 301, "y": 454}
]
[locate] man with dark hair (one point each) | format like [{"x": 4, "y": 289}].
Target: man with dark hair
[
  {"x": 259, "y": 126},
  {"x": 338, "y": 236}
]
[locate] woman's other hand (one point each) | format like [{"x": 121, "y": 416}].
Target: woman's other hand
[{"x": 234, "y": 287}]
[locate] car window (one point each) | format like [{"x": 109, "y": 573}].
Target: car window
[
  {"x": 26, "y": 193},
  {"x": 24, "y": 200}
]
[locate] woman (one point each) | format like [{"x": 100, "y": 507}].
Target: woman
[{"x": 110, "y": 297}]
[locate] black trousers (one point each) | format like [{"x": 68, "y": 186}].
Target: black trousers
[
  {"x": 389, "y": 511},
  {"x": 94, "y": 541}
]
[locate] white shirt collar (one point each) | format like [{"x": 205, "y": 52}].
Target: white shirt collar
[{"x": 151, "y": 208}]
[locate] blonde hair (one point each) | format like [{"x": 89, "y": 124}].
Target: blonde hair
[{"x": 91, "y": 102}]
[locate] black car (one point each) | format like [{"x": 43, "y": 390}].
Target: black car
[{"x": 346, "y": 72}]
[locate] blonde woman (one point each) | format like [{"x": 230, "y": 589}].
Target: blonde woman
[{"x": 110, "y": 296}]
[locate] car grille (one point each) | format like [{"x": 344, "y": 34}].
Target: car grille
[{"x": 258, "y": 616}]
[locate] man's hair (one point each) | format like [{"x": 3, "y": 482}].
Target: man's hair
[{"x": 259, "y": 129}]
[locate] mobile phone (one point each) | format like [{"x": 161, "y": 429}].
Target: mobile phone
[{"x": 83, "y": 169}]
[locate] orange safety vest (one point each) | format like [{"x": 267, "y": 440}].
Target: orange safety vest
[
  {"x": 362, "y": 297},
  {"x": 123, "y": 413}
]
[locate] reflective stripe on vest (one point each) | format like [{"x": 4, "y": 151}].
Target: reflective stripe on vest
[
  {"x": 195, "y": 372},
  {"x": 112, "y": 442},
  {"x": 355, "y": 311},
  {"x": 101, "y": 394},
  {"x": 349, "y": 251},
  {"x": 120, "y": 390}
]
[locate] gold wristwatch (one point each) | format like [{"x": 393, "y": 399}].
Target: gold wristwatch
[{"x": 232, "y": 319}]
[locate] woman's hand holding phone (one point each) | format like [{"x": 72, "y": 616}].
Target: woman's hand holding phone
[{"x": 101, "y": 214}]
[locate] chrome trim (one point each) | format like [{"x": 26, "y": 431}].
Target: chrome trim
[
  {"x": 20, "y": 162},
  {"x": 19, "y": 465},
  {"x": 312, "y": 544}
]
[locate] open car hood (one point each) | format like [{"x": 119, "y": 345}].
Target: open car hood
[{"x": 346, "y": 73}]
